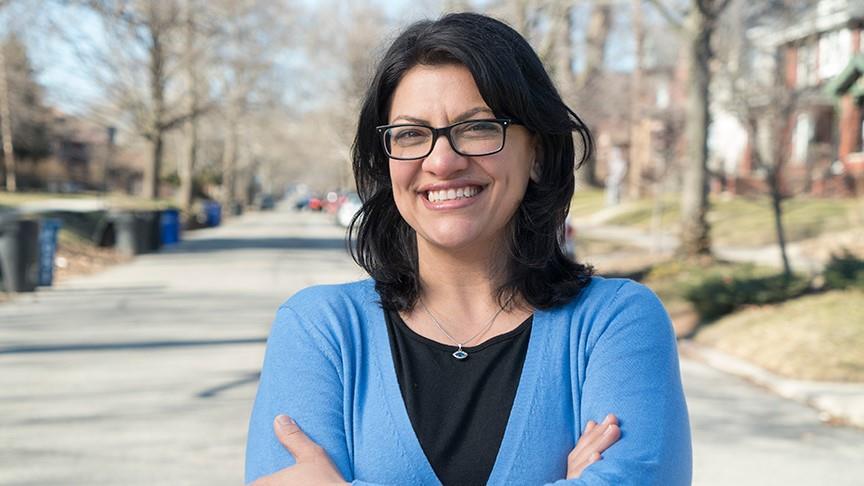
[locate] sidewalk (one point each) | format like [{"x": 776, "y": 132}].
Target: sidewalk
[
  {"x": 665, "y": 244},
  {"x": 837, "y": 402}
]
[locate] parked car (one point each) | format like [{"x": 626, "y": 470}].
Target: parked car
[
  {"x": 265, "y": 202},
  {"x": 569, "y": 239},
  {"x": 350, "y": 206},
  {"x": 315, "y": 204}
]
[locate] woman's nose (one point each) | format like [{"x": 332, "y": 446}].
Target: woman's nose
[{"x": 443, "y": 160}]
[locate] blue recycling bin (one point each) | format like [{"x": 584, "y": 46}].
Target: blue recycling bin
[
  {"x": 170, "y": 226},
  {"x": 47, "y": 249},
  {"x": 213, "y": 211}
]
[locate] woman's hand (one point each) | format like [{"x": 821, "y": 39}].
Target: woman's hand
[
  {"x": 594, "y": 440},
  {"x": 313, "y": 464}
]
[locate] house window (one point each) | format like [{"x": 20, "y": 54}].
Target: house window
[
  {"x": 803, "y": 135},
  {"x": 859, "y": 144},
  {"x": 806, "y": 70},
  {"x": 835, "y": 50}
]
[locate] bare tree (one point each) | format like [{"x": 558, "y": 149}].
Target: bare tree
[
  {"x": 196, "y": 91},
  {"x": 6, "y": 127},
  {"x": 697, "y": 28},
  {"x": 253, "y": 35},
  {"x": 23, "y": 116},
  {"x": 549, "y": 25},
  {"x": 763, "y": 103},
  {"x": 152, "y": 35}
]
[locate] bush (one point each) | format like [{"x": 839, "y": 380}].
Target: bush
[
  {"x": 716, "y": 295},
  {"x": 844, "y": 271}
]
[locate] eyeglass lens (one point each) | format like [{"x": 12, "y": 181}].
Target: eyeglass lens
[{"x": 469, "y": 138}]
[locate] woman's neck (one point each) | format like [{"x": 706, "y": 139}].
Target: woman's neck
[{"x": 460, "y": 289}]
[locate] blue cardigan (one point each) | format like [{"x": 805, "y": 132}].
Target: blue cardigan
[{"x": 611, "y": 350}]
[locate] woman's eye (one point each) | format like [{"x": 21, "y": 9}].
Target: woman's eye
[
  {"x": 409, "y": 136},
  {"x": 480, "y": 129}
]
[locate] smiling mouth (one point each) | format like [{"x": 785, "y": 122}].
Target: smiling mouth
[{"x": 453, "y": 193}]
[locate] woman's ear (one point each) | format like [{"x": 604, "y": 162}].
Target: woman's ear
[
  {"x": 535, "y": 164},
  {"x": 535, "y": 172}
]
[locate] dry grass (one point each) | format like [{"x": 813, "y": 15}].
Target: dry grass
[
  {"x": 113, "y": 200},
  {"x": 77, "y": 256},
  {"x": 816, "y": 337}
]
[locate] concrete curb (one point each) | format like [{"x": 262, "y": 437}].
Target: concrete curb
[{"x": 837, "y": 402}]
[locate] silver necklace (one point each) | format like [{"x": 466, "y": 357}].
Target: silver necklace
[{"x": 460, "y": 353}]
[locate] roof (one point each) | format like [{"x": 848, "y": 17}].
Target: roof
[
  {"x": 823, "y": 16},
  {"x": 846, "y": 81}
]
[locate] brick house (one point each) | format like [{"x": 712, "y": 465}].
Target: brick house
[{"x": 820, "y": 60}]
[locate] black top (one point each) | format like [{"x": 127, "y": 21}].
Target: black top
[{"x": 458, "y": 408}]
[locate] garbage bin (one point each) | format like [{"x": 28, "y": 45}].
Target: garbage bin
[
  {"x": 214, "y": 213},
  {"x": 170, "y": 226},
  {"x": 147, "y": 231},
  {"x": 125, "y": 229},
  {"x": 19, "y": 254},
  {"x": 47, "y": 249}
]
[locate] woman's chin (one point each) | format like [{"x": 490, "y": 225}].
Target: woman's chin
[{"x": 459, "y": 240}]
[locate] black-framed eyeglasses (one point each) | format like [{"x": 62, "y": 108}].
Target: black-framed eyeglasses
[{"x": 471, "y": 138}]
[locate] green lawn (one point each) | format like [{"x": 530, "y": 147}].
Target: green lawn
[{"x": 738, "y": 221}]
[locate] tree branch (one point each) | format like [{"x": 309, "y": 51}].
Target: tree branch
[
  {"x": 667, "y": 14},
  {"x": 181, "y": 119}
]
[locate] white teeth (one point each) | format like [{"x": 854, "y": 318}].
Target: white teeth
[{"x": 450, "y": 194}]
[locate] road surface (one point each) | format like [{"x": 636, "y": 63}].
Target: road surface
[{"x": 146, "y": 372}]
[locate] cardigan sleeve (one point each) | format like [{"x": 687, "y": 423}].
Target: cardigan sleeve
[
  {"x": 633, "y": 372},
  {"x": 302, "y": 378},
  {"x": 299, "y": 378}
]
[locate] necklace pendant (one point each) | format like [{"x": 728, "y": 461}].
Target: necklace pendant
[{"x": 459, "y": 354}]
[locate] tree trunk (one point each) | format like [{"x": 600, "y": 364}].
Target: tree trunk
[
  {"x": 695, "y": 239},
  {"x": 595, "y": 50},
  {"x": 776, "y": 206},
  {"x": 229, "y": 162},
  {"x": 187, "y": 165},
  {"x": 781, "y": 127},
  {"x": 6, "y": 128},
  {"x": 563, "y": 59},
  {"x": 158, "y": 146},
  {"x": 634, "y": 182},
  {"x": 157, "y": 92}
]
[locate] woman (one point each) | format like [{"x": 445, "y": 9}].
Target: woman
[{"x": 477, "y": 353}]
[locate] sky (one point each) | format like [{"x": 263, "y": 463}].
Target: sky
[{"x": 72, "y": 89}]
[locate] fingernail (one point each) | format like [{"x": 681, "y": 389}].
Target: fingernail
[
  {"x": 284, "y": 420},
  {"x": 607, "y": 419},
  {"x": 608, "y": 429}
]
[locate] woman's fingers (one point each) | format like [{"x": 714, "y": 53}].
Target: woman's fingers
[
  {"x": 295, "y": 440},
  {"x": 594, "y": 440},
  {"x": 588, "y": 428},
  {"x": 593, "y": 431}
]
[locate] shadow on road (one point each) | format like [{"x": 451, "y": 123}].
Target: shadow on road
[
  {"x": 222, "y": 244},
  {"x": 144, "y": 345},
  {"x": 245, "y": 380}
]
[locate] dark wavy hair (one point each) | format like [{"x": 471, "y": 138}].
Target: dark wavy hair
[{"x": 513, "y": 82}]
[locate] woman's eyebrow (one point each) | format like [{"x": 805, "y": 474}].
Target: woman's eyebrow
[{"x": 462, "y": 117}]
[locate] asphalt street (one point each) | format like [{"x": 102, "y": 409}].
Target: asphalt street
[{"x": 145, "y": 373}]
